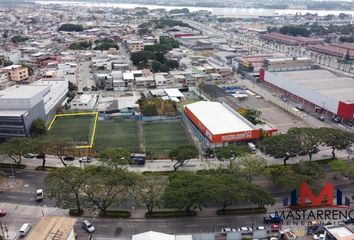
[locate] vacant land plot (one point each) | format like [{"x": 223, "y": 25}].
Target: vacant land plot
[
  {"x": 161, "y": 137},
  {"x": 79, "y": 128},
  {"x": 117, "y": 134}
]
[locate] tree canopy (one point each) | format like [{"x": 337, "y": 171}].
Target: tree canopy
[
  {"x": 182, "y": 155},
  {"x": 38, "y": 128},
  {"x": 69, "y": 27}
]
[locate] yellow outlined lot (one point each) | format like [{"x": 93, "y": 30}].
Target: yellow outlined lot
[{"x": 95, "y": 114}]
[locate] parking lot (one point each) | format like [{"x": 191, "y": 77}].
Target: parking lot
[{"x": 272, "y": 114}]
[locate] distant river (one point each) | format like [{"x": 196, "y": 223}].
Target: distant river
[{"x": 228, "y": 12}]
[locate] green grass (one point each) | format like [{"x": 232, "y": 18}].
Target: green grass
[
  {"x": 161, "y": 137},
  {"x": 77, "y": 128},
  {"x": 117, "y": 134}
]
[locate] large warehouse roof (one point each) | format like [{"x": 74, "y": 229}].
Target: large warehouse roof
[
  {"x": 323, "y": 82},
  {"x": 217, "y": 118}
]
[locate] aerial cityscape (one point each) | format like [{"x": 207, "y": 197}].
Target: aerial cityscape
[{"x": 176, "y": 120}]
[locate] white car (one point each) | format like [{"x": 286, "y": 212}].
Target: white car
[
  {"x": 261, "y": 228},
  {"x": 85, "y": 159},
  {"x": 318, "y": 237},
  {"x": 245, "y": 230},
  {"x": 225, "y": 231},
  {"x": 88, "y": 226}
]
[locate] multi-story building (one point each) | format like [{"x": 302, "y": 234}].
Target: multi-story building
[
  {"x": 87, "y": 102},
  {"x": 16, "y": 73},
  {"x": 135, "y": 45},
  {"x": 20, "y": 105}
]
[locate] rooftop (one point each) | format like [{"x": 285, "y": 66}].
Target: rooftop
[
  {"x": 323, "y": 82},
  {"x": 217, "y": 118},
  {"x": 22, "y": 91},
  {"x": 341, "y": 232}
]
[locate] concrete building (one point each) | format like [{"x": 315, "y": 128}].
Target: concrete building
[
  {"x": 86, "y": 102},
  {"x": 160, "y": 80},
  {"x": 290, "y": 40},
  {"x": 145, "y": 82},
  {"x": 342, "y": 232},
  {"x": 16, "y": 73},
  {"x": 287, "y": 64},
  {"x": 20, "y": 105},
  {"x": 58, "y": 228},
  {"x": 340, "y": 50},
  {"x": 128, "y": 78},
  {"x": 135, "y": 45},
  {"x": 217, "y": 124},
  {"x": 318, "y": 90}
]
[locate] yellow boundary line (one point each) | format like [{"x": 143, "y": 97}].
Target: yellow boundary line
[{"x": 95, "y": 114}]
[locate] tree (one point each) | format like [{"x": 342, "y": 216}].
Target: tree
[
  {"x": 309, "y": 139},
  {"x": 187, "y": 191},
  {"x": 230, "y": 153},
  {"x": 18, "y": 38},
  {"x": 42, "y": 146},
  {"x": 337, "y": 139},
  {"x": 114, "y": 157},
  {"x": 221, "y": 185},
  {"x": 105, "y": 44},
  {"x": 69, "y": 27},
  {"x": 252, "y": 115},
  {"x": 182, "y": 155},
  {"x": 38, "y": 128},
  {"x": 281, "y": 146},
  {"x": 250, "y": 166},
  {"x": 149, "y": 190},
  {"x": 106, "y": 186},
  {"x": 259, "y": 196},
  {"x": 66, "y": 184},
  {"x": 338, "y": 166},
  {"x": 15, "y": 148},
  {"x": 61, "y": 147},
  {"x": 311, "y": 172},
  {"x": 284, "y": 177}
]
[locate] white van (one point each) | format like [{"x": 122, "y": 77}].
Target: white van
[
  {"x": 252, "y": 147},
  {"x": 25, "y": 229}
]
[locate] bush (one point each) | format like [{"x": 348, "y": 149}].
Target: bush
[
  {"x": 168, "y": 214},
  {"x": 115, "y": 214},
  {"x": 75, "y": 212},
  {"x": 14, "y": 165},
  {"x": 158, "y": 173},
  {"x": 49, "y": 169},
  {"x": 241, "y": 211}
]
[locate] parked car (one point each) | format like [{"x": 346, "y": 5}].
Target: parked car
[
  {"x": 40, "y": 156},
  {"x": 300, "y": 107},
  {"x": 29, "y": 155},
  {"x": 318, "y": 237},
  {"x": 337, "y": 119},
  {"x": 260, "y": 228},
  {"x": 69, "y": 158},
  {"x": 225, "y": 231},
  {"x": 321, "y": 118},
  {"x": 275, "y": 227},
  {"x": 2, "y": 213},
  {"x": 245, "y": 230},
  {"x": 349, "y": 221},
  {"x": 85, "y": 159},
  {"x": 272, "y": 218},
  {"x": 88, "y": 226},
  {"x": 284, "y": 99}
]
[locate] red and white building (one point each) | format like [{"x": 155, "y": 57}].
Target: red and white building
[
  {"x": 220, "y": 124},
  {"x": 319, "y": 90}
]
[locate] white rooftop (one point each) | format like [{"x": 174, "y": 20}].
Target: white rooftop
[
  {"x": 341, "y": 232},
  {"x": 217, "y": 118},
  {"x": 153, "y": 236},
  {"x": 22, "y": 91},
  {"x": 128, "y": 75},
  {"x": 174, "y": 92}
]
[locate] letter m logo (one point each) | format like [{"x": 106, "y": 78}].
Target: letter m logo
[{"x": 326, "y": 195}]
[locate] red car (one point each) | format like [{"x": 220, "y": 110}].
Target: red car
[
  {"x": 275, "y": 227},
  {"x": 2, "y": 213}
]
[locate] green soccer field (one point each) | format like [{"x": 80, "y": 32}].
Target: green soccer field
[
  {"x": 161, "y": 137},
  {"x": 77, "y": 128},
  {"x": 117, "y": 134}
]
